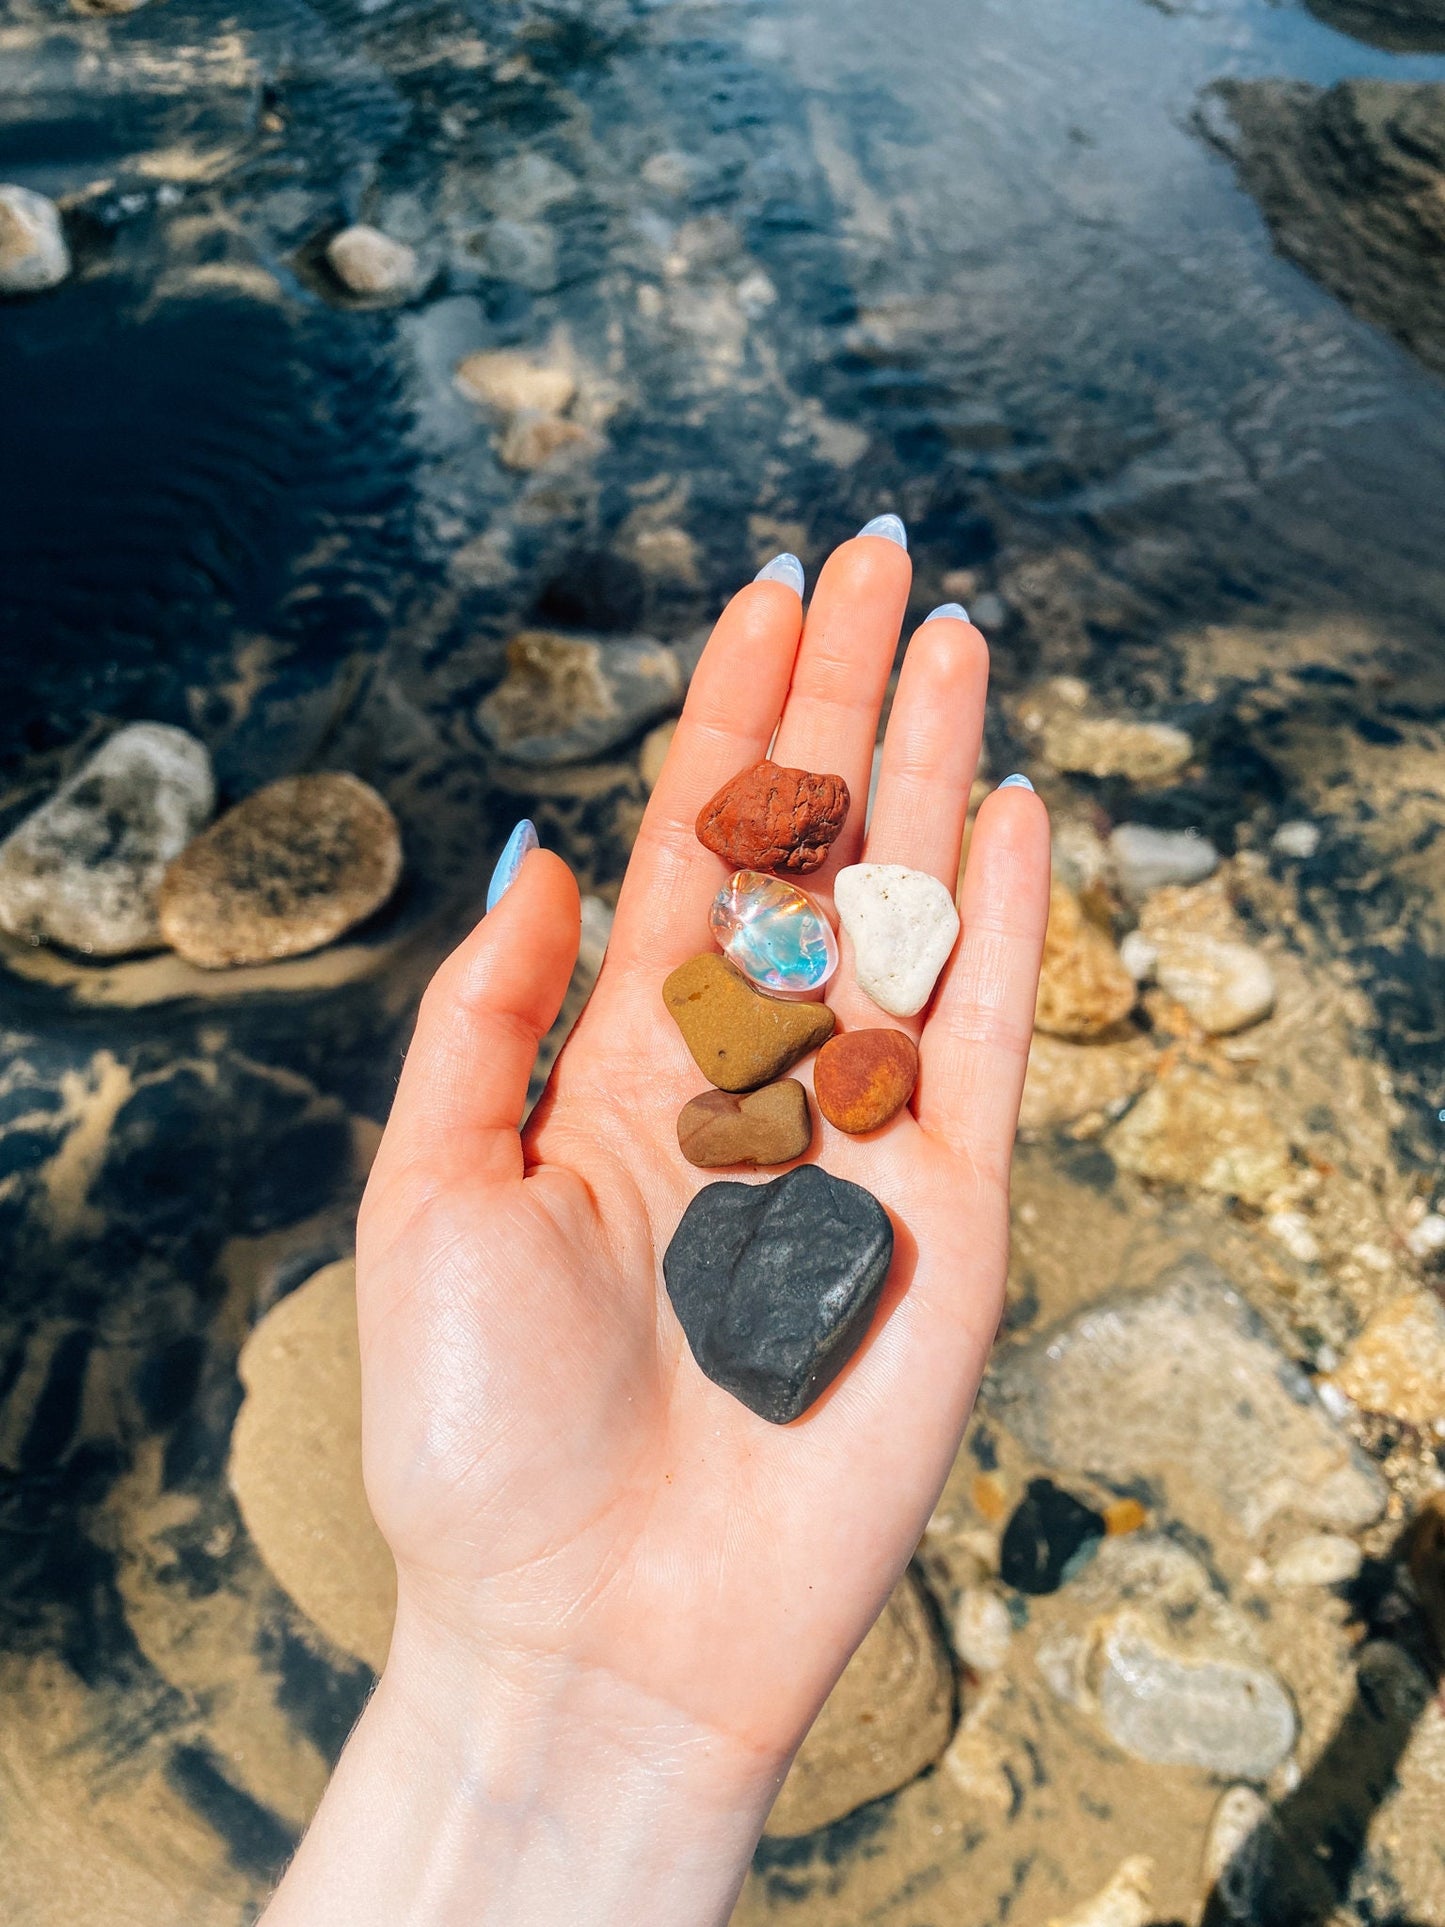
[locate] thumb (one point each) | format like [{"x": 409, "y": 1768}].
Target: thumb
[{"x": 464, "y": 1083}]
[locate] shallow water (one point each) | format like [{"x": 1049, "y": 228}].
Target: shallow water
[{"x": 976, "y": 264}]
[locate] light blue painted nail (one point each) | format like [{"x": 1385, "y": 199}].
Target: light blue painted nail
[
  {"x": 514, "y": 850},
  {"x": 1016, "y": 783},
  {"x": 889, "y": 527},
  {"x": 784, "y": 568},
  {"x": 950, "y": 611}
]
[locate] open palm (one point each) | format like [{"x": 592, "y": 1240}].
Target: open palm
[{"x": 559, "y": 1482}]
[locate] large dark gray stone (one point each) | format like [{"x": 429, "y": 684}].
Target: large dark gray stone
[{"x": 775, "y": 1284}]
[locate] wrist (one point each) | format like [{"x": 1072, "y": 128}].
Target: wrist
[{"x": 529, "y": 1789}]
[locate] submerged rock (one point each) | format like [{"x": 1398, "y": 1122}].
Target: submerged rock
[
  {"x": 982, "y": 1629},
  {"x": 1050, "y": 1535},
  {"x": 514, "y": 383},
  {"x": 1084, "y": 987},
  {"x": 1225, "y": 987},
  {"x": 1197, "y": 1130},
  {"x": 1318, "y": 1559},
  {"x": 1199, "y": 1396},
  {"x": 1352, "y": 183},
  {"x": 567, "y": 697},
  {"x": 289, "y": 869},
  {"x": 85, "y": 869},
  {"x": 1126, "y": 1901},
  {"x": 889, "y": 1717},
  {"x": 1068, "y": 1081},
  {"x": 33, "y": 251},
  {"x": 1403, "y": 26},
  {"x": 1397, "y": 1364},
  {"x": 1080, "y": 743},
  {"x": 371, "y": 264},
  {"x": 1147, "y": 859}
]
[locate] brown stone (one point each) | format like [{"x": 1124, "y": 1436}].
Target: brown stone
[
  {"x": 1084, "y": 988},
  {"x": 770, "y": 818},
  {"x": 889, "y": 1717},
  {"x": 288, "y": 870},
  {"x": 865, "y": 1077},
  {"x": 738, "y": 1037},
  {"x": 770, "y": 1126}
]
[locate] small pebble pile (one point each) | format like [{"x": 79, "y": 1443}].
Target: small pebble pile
[{"x": 775, "y": 1284}]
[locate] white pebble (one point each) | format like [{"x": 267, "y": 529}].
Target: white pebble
[
  {"x": 1224, "y": 986},
  {"x": 1299, "y": 838},
  {"x": 369, "y": 262},
  {"x": 1426, "y": 1240},
  {"x": 903, "y": 926},
  {"x": 1139, "y": 956},
  {"x": 1145, "y": 858},
  {"x": 33, "y": 253},
  {"x": 1292, "y": 1229},
  {"x": 1319, "y": 1559},
  {"x": 982, "y": 1629}
]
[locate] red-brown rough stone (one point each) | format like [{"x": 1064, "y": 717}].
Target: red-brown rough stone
[
  {"x": 771, "y": 818},
  {"x": 864, "y": 1077}
]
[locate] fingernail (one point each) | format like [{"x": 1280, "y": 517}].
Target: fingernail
[
  {"x": 514, "y": 850},
  {"x": 953, "y": 611},
  {"x": 784, "y": 568},
  {"x": 1016, "y": 783},
  {"x": 889, "y": 527}
]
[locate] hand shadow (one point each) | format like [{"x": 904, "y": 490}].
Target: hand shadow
[{"x": 1297, "y": 1866}]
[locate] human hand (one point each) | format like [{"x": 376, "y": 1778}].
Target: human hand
[{"x": 622, "y": 1596}]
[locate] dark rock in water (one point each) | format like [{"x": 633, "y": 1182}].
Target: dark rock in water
[
  {"x": 1049, "y": 1535},
  {"x": 569, "y": 697},
  {"x": 1352, "y": 183},
  {"x": 85, "y": 869},
  {"x": 1404, "y": 26},
  {"x": 775, "y": 1284}
]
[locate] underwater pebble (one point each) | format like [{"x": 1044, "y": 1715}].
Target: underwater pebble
[
  {"x": 1319, "y": 1559},
  {"x": 371, "y": 263},
  {"x": 738, "y": 1037},
  {"x": 769, "y": 1126},
  {"x": 1300, "y": 838},
  {"x": 864, "y": 1077},
  {"x": 1237, "y": 1849},
  {"x": 889, "y": 1718},
  {"x": 982, "y": 1629},
  {"x": 566, "y": 697},
  {"x": 1108, "y": 746},
  {"x": 1048, "y": 1537},
  {"x": 1084, "y": 987},
  {"x": 1126, "y": 1901},
  {"x": 291, "y": 868},
  {"x": 524, "y": 252},
  {"x": 774, "y": 933},
  {"x": 531, "y": 441},
  {"x": 1219, "y": 1715},
  {"x": 33, "y": 251},
  {"x": 1397, "y": 1363},
  {"x": 1068, "y": 1081},
  {"x": 775, "y": 1284},
  {"x": 1146, "y": 859},
  {"x": 1200, "y": 1397},
  {"x": 903, "y": 926},
  {"x": 515, "y": 384},
  {"x": 1225, "y": 987},
  {"x": 1204, "y": 1133},
  {"x": 1426, "y": 1240},
  {"x": 1292, "y": 1229},
  {"x": 771, "y": 818},
  {"x": 85, "y": 869}
]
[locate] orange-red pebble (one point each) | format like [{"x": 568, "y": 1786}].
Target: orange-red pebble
[{"x": 864, "y": 1077}]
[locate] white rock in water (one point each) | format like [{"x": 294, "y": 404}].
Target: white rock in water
[
  {"x": 903, "y": 926},
  {"x": 982, "y": 1629},
  {"x": 1127, "y": 1901},
  {"x": 1238, "y": 1849},
  {"x": 369, "y": 262},
  {"x": 1220, "y": 1715},
  {"x": 1139, "y": 956},
  {"x": 1319, "y": 1559},
  {"x": 1426, "y": 1240},
  {"x": 514, "y": 384},
  {"x": 1145, "y": 858},
  {"x": 1300, "y": 838},
  {"x": 1224, "y": 986},
  {"x": 33, "y": 253},
  {"x": 85, "y": 869}
]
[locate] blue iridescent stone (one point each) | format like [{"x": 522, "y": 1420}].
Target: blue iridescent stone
[{"x": 774, "y": 933}]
